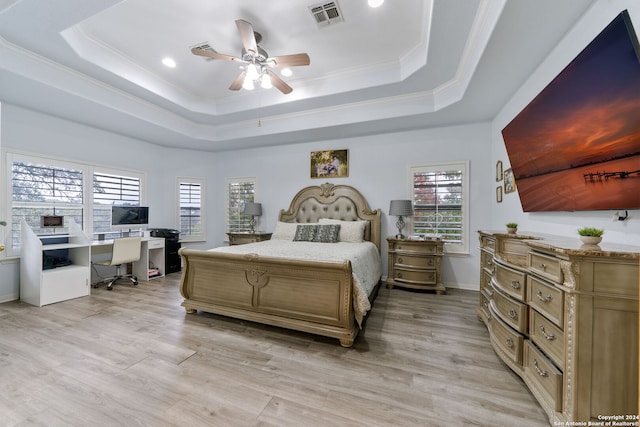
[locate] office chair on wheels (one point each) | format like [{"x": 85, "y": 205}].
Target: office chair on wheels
[{"x": 125, "y": 250}]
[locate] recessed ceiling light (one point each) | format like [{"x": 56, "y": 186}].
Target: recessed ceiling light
[
  {"x": 375, "y": 3},
  {"x": 168, "y": 62},
  {"x": 286, "y": 71}
]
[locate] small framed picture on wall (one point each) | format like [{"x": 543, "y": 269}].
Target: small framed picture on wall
[
  {"x": 329, "y": 164},
  {"x": 499, "y": 194},
  {"x": 509, "y": 181}
]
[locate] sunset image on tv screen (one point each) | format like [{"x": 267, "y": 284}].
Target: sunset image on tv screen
[{"x": 576, "y": 146}]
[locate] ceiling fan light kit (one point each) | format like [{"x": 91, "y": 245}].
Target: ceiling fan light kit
[{"x": 257, "y": 61}]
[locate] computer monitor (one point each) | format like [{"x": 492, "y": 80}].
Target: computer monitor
[{"x": 129, "y": 216}]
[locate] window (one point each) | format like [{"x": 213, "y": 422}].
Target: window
[
  {"x": 440, "y": 203},
  {"x": 39, "y": 186},
  {"x": 43, "y": 188},
  {"x": 113, "y": 188},
  {"x": 239, "y": 191},
  {"x": 191, "y": 209}
]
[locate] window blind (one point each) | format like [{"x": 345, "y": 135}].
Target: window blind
[
  {"x": 108, "y": 190},
  {"x": 239, "y": 191},
  {"x": 38, "y": 190},
  {"x": 190, "y": 208},
  {"x": 440, "y": 203}
]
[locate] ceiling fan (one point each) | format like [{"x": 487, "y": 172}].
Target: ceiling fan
[{"x": 257, "y": 61}]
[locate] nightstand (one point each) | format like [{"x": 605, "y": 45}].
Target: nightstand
[
  {"x": 415, "y": 264},
  {"x": 242, "y": 238}
]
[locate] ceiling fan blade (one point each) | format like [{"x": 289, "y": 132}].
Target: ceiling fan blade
[
  {"x": 213, "y": 54},
  {"x": 279, "y": 83},
  {"x": 296, "y": 60},
  {"x": 237, "y": 83},
  {"x": 247, "y": 36}
]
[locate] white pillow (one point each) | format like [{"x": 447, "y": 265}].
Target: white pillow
[
  {"x": 284, "y": 231},
  {"x": 350, "y": 231},
  {"x": 287, "y": 230}
]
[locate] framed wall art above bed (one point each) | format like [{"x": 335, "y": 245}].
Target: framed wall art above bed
[{"x": 329, "y": 164}]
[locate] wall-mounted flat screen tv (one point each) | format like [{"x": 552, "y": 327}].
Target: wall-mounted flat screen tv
[
  {"x": 126, "y": 216},
  {"x": 576, "y": 146}
]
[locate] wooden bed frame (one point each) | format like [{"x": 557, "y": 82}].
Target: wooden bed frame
[{"x": 308, "y": 296}]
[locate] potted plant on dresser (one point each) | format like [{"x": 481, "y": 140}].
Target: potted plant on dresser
[
  {"x": 512, "y": 227},
  {"x": 590, "y": 235}
]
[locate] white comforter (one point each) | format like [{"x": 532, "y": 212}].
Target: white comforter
[{"x": 365, "y": 262}]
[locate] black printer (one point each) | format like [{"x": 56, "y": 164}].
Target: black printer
[
  {"x": 168, "y": 233},
  {"x": 172, "y": 262}
]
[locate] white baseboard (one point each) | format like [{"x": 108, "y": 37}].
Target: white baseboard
[
  {"x": 465, "y": 286},
  {"x": 9, "y": 297}
]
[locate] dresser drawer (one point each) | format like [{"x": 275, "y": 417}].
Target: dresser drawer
[
  {"x": 486, "y": 261},
  {"x": 418, "y": 277},
  {"x": 505, "y": 338},
  {"x": 546, "y": 299},
  {"x": 541, "y": 375},
  {"x": 155, "y": 243},
  {"x": 514, "y": 251},
  {"x": 547, "y": 336},
  {"x": 484, "y": 305},
  {"x": 417, "y": 246},
  {"x": 546, "y": 266},
  {"x": 513, "y": 313},
  {"x": 488, "y": 242},
  {"x": 485, "y": 281},
  {"x": 415, "y": 261},
  {"x": 511, "y": 281}
]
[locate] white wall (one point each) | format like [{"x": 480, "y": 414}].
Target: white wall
[
  {"x": 378, "y": 167},
  {"x": 562, "y": 223}
]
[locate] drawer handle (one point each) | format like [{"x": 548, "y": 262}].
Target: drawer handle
[
  {"x": 486, "y": 304},
  {"x": 515, "y": 284},
  {"x": 400, "y": 260},
  {"x": 538, "y": 370},
  {"x": 399, "y": 275},
  {"x": 550, "y": 336},
  {"x": 509, "y": 343},
  {"x": 542, "y": 265},
  {"x": 546, "y": 299},
  {"x": 513, "y": 314}
]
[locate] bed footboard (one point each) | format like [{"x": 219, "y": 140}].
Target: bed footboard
[{"x": 314, "y": 297}]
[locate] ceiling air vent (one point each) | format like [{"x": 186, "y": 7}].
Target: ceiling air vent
[{"x": 326, "y": 13}]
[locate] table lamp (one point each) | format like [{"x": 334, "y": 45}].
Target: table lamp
[
  {"x": 400, "y": 208},
  {"x": 253, "y": 209}
]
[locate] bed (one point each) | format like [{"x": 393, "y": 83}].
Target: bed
[{"x": 260, "y": 282}]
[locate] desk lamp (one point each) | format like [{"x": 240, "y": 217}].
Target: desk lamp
[
  {"x": 400, "y": 208},
  {"x": 253, "y": 209}
]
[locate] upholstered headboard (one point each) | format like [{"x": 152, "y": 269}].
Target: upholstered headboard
[{"x": 334, "y": 202}]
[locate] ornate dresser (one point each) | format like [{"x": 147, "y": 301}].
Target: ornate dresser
[{"x": 564, "y": 317}]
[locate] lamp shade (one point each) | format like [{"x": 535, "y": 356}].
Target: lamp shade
[
  {"x": 254, "y": 209},
  {"x": 401, "y": 208}
]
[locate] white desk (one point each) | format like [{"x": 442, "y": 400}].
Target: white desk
[{"x": 151, "y": 254}]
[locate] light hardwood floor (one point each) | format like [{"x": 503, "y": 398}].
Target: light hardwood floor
[{"x": 132, "y": 356}]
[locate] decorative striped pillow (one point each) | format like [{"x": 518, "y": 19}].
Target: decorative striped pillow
[
  {"x": 305, "y": 233},
  {"x": 327, "y": 233}
]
